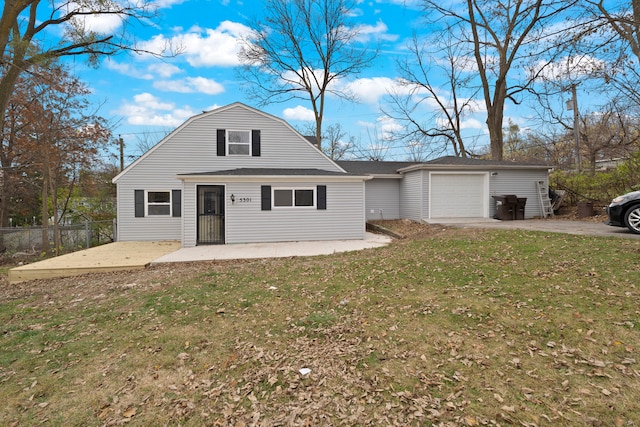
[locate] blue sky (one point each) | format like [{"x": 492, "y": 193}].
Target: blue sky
[
  {"x": 147, "y": 95},
  {"x": 150, "y": 95}
]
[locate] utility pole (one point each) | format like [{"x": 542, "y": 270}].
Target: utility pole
[
  {"x": 576, "y": 125},
  {"x": 121, "y": 141}
]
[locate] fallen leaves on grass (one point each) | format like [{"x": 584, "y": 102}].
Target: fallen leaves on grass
[{"x": 467, "y": 330}]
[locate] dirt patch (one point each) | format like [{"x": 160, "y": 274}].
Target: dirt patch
[
  {"x": 408, "y": 229},
  {"x": 570, "y": 213}
]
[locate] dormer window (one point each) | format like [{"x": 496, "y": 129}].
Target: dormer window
[{"x": 239, "y": 142}]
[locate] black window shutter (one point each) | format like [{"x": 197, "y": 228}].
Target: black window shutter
[
  {"x": 176, "y": 203},
  {"x": 321, "y": 194},
  {"x": 221, "y": 143},
  {"x": 139, "y": 203},
  {"x": 255, "y": 143},
  {"x": 266, "y": 197}
]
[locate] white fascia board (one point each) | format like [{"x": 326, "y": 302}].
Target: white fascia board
[
  {"x": 458, "y": 168},
  {"x": 386, "y": 176}
]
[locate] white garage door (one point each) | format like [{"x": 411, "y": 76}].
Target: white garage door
[{"x": 457, "y": 196}]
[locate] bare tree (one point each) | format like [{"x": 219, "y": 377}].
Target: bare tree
[
  {"x": 61, "y": 137},
  {"x": 612, "y": 29},
  {"x": 433, "y": 113},
  {"x": 503, "y": 35},
  {"x": 609, "y": 134},
  {"x": 28, "y": 31},
  {"x": 300, "y": 50},
  {"x": 622, "y": 17},
  {"x": 339, "y": 146},
  {"x": 147, "y": 139},
  {"x": 377, "y": 148}
]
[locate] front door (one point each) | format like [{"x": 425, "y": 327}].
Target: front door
[{"x": 210, "y": 214}]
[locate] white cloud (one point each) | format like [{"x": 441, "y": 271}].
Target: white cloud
[
  {"x": 105, "y": 23},
  {"x": 388, "y": 127},
  {"x": 148, "y": 110},
  {"x": 127, "y": 69},
  {"x": 382, "y": 130},
  {"x": 190, "y": 85},
  {"x": 164, "y": 70},
  {"x": 167, "y": 3},
  {"x": 469, "y": 123},
  {"x": 370, "y": 90},
  {"x": 205, "y": 47},
  {"x": 568, "y": 68},
  {"x": 299, "y": 113},
  {"x": 378, "y": 31}
]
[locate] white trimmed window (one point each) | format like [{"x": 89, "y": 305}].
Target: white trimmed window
[
  {"x": 239, "y": 142},
  {"x": 294, "y": 197},
  {"x": 158, "y": 203}
]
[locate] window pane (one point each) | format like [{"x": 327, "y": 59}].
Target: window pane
[
  {"x": 159, "y": 209},
  {"x": 159, "y": 197},
  {"x": 238, "y": 149},
  {"x": 304, "y": 197},
  {"x": 243, "y": 137},
  {"x": 282, "y": 198}
]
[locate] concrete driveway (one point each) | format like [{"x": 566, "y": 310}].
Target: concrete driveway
[
  {"x": 272, "y": 250},
  {"x": 552, "y": 225}
]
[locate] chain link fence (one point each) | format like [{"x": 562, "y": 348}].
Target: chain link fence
[{"x": 28, "y": 240}]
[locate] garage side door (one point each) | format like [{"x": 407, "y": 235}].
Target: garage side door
[{"x": 457, "y": 196}]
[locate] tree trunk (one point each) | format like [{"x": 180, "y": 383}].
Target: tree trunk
[
  {"x": 495, "y": 118},
  {"x": 5, "y": 196},
  {"x": 319, "y": 132},
  {"x": 494, "y": 124}
]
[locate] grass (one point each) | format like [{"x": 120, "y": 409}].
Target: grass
[{"x": 465, "y": 327}]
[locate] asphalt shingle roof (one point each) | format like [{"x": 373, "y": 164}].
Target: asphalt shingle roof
[
  {"x": 268, "y": 171},
  {"x": 469, "y": 161},
  {"x": 381, "y": 167},
  {"x": 373, "y": 167}
]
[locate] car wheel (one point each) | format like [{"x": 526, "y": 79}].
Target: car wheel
[{"x": 632, "y": 219}]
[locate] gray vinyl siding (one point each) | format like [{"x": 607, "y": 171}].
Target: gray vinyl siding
[
  {"x": 192, "y": 149},
  {"x": 424, "y": 202},
  {"x": 153, "y": 228},
  {"x": 246, "y": 222},
  {"x": 522, "y": 183},
  {"x": 412, "y": 189},
  {"x": 382, "y": 199}
]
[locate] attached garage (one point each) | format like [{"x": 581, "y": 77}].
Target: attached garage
[
  {"x": 448, "y": 187},
  {"x": 458, "y": 195}
]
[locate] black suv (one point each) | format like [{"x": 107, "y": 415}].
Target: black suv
[{"x": 624, "y": 211}]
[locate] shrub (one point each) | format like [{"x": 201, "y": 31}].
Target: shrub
[{"x": 598, "y": 187}]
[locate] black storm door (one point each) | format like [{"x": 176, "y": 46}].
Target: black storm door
[{"x": 210, "y": 214}]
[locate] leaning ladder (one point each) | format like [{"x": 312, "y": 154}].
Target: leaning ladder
[{"x": 545, "y": 201}]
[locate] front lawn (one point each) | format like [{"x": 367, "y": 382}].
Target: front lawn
[{"x": 454, "y": 327}]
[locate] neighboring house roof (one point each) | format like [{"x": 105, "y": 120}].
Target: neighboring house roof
[{"x": 312, "y": 139}]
